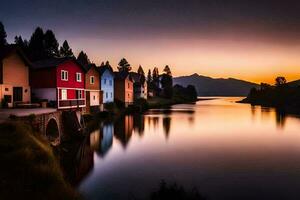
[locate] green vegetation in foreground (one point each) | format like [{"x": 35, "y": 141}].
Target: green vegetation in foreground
[
  {"x": 282, "y": 95},
  {"x": 28, "y": 167}
]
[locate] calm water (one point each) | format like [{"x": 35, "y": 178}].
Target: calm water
[{"x": 226, "y": 150}]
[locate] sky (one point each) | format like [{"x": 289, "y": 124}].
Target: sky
[{"x": 254, "y": 40}]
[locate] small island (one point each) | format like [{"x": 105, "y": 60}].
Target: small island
[{"x": 284, "y": 96}]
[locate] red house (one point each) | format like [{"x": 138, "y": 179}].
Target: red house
[{"x": 60, "y": 81}]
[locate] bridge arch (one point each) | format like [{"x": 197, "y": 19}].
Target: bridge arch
[{"x": 53, "y": 131}]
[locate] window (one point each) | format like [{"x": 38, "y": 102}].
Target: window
[
  {"x": 110, "y": 82},
  {"x": 78, "y": 77},
  {"x": 111, "y": 95},
  {"x": 63, "y": 94},
  {"x": 128, "y": 95},
  {"x": 94, "y": 97},
  {"x": 106, "y": 94},
  {"x": 64, "y": 75},
  {"x": 128, "y": 85},
  {"x": 105, "y": 81},
  {"x": 79, "y": 94},
  {"x": 92, "y": 79}
]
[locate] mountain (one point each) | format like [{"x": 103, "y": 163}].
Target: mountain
[
  {"x": 207, "y": 86},
  {"x": 294, "y": 83}
]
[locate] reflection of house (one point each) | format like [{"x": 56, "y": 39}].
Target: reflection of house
[
  {"x": 92, "y": 88},
  {"x": 107, "y": 84},
  {"x": 123, "y": 129},
  {"x": 59, "y": 80},
  {"x": 123, "y": 88},
  {"x": 101, "y": 140},
  {"x": 14, "y": 77},
  {"x": 139, "y": 86}
]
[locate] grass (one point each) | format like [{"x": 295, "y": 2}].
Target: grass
[{"x": 29, "y": 169}]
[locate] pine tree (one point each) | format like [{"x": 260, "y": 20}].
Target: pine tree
[
  {"x": 36, "y": 45},
  {"x": 107, "y": 64},
  {"x": 65, "y": 50},
  {"x": 155, "y": 77},
  {"x": 3, "y": 36},
  {"x": 141, "y": 71},
  {"x": 149, "y": 77},
  {"x": 167, "y": 70},
  {"x": 51, "y": 44},
  {"x": 22, "y": 44},
  {"x": 83, "y": 59},
  {"x": 167, "y": 82},
  {"x": 124, "y": 65}
]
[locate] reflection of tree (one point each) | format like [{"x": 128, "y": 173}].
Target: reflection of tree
[
  {"x": 138, "y": 123},
  {"x": 167, "y": 125},
  {"x": 280, "y": 119},
  {"x": 76, "y": 158},
  {"x": 123, "y": 129},
  {"x": 155, "y": 122}
]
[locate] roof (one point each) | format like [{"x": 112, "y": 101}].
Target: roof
[
  {"x": 10, "y": 49},
  {"x": 135, "y": 77},
  {"x": 54, "y": 62},
  {"x": 89, "y": 66},
  {"x": 122, "y": 75},
  {"x": 102, "y": 69}
]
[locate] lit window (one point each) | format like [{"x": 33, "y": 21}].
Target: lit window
[
  {"x": 64, "y": 75},
  {"x": 92, "y": 79},
  {"x": 78, "y": 77},
  {"x": 63, "y": 94},
  {"x": 79, "y": 94}
]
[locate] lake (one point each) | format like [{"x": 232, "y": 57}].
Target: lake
[{"x": 225, "y": 149}]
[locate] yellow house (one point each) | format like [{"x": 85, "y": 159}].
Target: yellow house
[{"x": 14, "y": 77}]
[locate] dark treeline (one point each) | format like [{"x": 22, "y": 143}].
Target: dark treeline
[{"x": 282, "y": 95}]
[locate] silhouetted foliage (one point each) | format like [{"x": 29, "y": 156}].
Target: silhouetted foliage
[
  {"x": 51, "y": 44},
  {"x": 65, "y": 50},
  {"x": 167, "y": 82},
  {"x": 37, "y": 45},
  {"x": 141, "y": 72},
  {"x": 124, "y": 65},
  {"x": 107, "y": 64},
  {"x": 22, "y": 44},
  {"x": 280, "y": 80},
  {"x": 188, "y": 93},
  {"x": 3, "y": 35},
  {"x": 175, "y": 192},
  {"x": 83, "y": 59},
  {"x": 282, "y": 96}
]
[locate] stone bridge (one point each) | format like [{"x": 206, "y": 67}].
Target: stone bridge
[{"x": 49, "y": 122}]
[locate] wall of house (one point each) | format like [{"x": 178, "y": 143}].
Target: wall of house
[
  {"x": 129, "y": 95},
  {"x": 119, "y": 90},
  {"x": 72, "y": 69},
  {"x": 94, "y": 98},
  {"x": 43, "y": 78},
  {"x": 15, "y": 71},
  {"x": 15, "y": 74},
  {"x": 96, "y": 85},
  {"x": 45, "y": 93},
  {"x": 108, "y": 87}
]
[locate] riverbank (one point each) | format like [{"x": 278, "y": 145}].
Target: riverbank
[{"x": 29, "y": 168}]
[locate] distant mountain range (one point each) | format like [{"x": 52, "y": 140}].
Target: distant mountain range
[{"x": 207, "y": 86}]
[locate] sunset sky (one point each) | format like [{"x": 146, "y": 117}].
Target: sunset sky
[{"x": 254, "y": 40}]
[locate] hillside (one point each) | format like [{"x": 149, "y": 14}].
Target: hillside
[{"x": 207, "y": 86}]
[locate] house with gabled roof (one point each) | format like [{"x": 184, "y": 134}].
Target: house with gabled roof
[
  {"x": 107, "y": 84},
  {"x": 60, "y": 81},
  {"x": 139, "y": 86},
  {"x": 124, "y": 88},
  {"x": 14, "y": 77}
]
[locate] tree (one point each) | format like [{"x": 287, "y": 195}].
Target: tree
[
  {"x": 167, "y": 70},
  {"x": 3, "y": 36},
  {"x": 149, "y": 77},
  {"x": 51, "y": 44},
  {"x": 124, "y": 65},
  {"x": 280, "y": 80},
  {"x": 36, "y": 45},
  {"x": 141, "y": 71},
  {"x": 65, "y": 50},
  {"x": 107, "y": 64},
  {"x": 155, "y": 77},
  {"x": 167, "y": 82},
  {"x": 83, "y": 59},
  {"x": 22, "y": 44}
]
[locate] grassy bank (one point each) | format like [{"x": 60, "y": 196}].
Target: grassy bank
[
  {"x": 29, "y": 169},
  {"x": 159, "y": 102}
]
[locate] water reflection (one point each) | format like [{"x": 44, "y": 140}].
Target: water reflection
[{"x": 227, "y": 150}]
